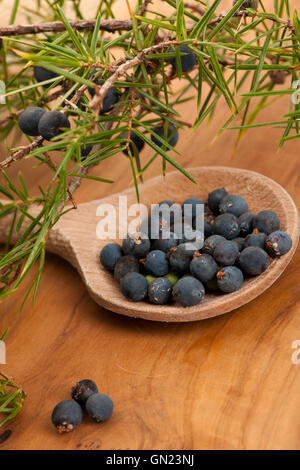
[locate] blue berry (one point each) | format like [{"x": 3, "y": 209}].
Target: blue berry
[
  {"x": 207, "y": 229},
  {"x": 203, "y": 267},
  {"x": 137, "y": 244},
  {"x": 214, "y": 199},
  {"x": 157, "y": 263},
  {"x": 248, "y": 4},
  {"x": 66, "y": 416},
  {"x": 29, "y": 120},
  {"x": 52, "y": 123},
  {"x": 85, "y": 151},
  {"x": 41, "y": 75},
  {"x": 253, "y": 260},
  {"x": 230, "y": 279},
  {"x": 239, "y": 241},
  {"x": 193, "y": 202},
  {"x": 233, "y": 204},
  {"x": 172, "y": 135},
  {"x": 83, "y": 390},
  {"x": 166, "y": 241},
  {"x": 266, "y": 221},
  {"x": 278, "y": 243},
  {"x": 180, "y": 259},
  {"x": 187, "y": 59},
  {"x": 134, "y": 286},
  {"x": 169, "y": 211},
  {"x": 160, "y": 291},
  {"x": 256, "y": 239},
  {"x": 211, "y": 243},
  {"x": 110, "y": 255},
  {"x": 111, "y": 97},
  {"x": 126, "y": 264},
  {"x": 246, "y": 223},
  {"x": 226, "y": 225},
  {"x": 136, "y": 144},
  {"x": 226, "y": 253},
  {"x": 152, "y": 226},
  {"x": 99, "y": 407},
  {"x": 188, "y": 291}
]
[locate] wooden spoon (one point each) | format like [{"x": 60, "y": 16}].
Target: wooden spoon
[{"x": 74, "y": 238}]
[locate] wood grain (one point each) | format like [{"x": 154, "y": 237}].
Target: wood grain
[{"x": 224, "y": 383}]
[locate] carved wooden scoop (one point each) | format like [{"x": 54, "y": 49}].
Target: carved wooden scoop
[{"x": 74, "y": 238}]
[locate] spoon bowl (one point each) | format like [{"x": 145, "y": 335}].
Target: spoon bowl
[{"x": 74, "y": 238}]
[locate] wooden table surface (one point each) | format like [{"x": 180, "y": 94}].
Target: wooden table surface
[{"x": 224, "y": 383}]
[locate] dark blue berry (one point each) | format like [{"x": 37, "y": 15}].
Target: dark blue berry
[
  {"x": 83, "y": 390},
  {"x": 169, "y": 211},
  {"x": 266, "y": 221},
  {"x": 211, "y": 243},
  {"x": 152, "y": 226},
  {"x": 171, "y": 136},
  {"x": 214, "y": 199},
  {"x": 246, "y": 223},
  {"x": 253, "y": 260},
  {"x": 136, "y": 244},
  {"x": 134, "y": 286},
  {"x": 110, "y": 255},
  {"x": 226, "y": 253},
  {"x": 233, "y": 204},
  {"x": 111, "y": 97},
  {"x": 166, "y": 241},
  {"x": 226, "y": 225},
  {"x": 157, "y": 263},
  {"x": 41, "y": 75},
  {"x": 52, "y": 124},
  {"x": 203, "y": 267},
  {"x": 256, "y": 239},
  {"x": 192, "y": 207},
  {"x": 190, "y": 235},
  {"x": 85, "y": 151},
  {"x": 239, "y": 241},
  {"x": 278, "y": 243},
  {"x": 187, "y": 59},
  {"x": 188, "y": 291},
  {"x": 136, "y": 144},
  {"x": 207, "y": 229},
  {"x": 126, "y": 264},
  {"x": 180, "y": 258},
  {"x": 66, "y": 416},
  {"x": 99, "y": 407},
  {"x": 160, "y": 291},
  {"x": 29, "y": 120},
  {"x": 230, "y": 279}
]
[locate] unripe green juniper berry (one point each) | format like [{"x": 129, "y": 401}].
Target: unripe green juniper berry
[
  {"x": 188, "y": 291},
  {"x": 246, "y": 223},
  {"x": 83, "y": 390},
  {"x": 134, "y": 286},
  {"x": 126, "y": 264},
  {"x": 230, "y": 279},
  {"x": 172, "y": 277},
  {"x": 211, "y": 243},
  {"x": 66, "y": 416},
  {"x": 135, "y": 144},
  {"x": 136, "y": 244},
  {"x": 266, "y": 221},
  {"x": 41, "y": 75},
  {"x": 29, "y": 120},
  {"x": 256, "y": 239},
  {"x": 278, "y": 243},
  {"x": 172, "y": 136},
  {"x": 157, "y": 263},
  {"x": 99, "y": 407},
  {"x": 214, "y": 199},
  {"x": 52, "y": 124},
  {"x": 203, "y": 267},
  {"x": 150, "y": 279},
  {"x": 110, "y": 255},
  {"x": 166, "y": 241},
  {"x": 160, "y": 291},
  {"x": 226, "y": 253},
  {"x": 187, "y": 59},
  {"x": 226, "y": 225},
  {"x": 253, "y": 260},
  {"x": 233, "y": 204}
]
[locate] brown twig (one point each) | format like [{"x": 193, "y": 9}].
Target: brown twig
[
  {"x": 21, "y": 152},
  {"x": 144, "y": 7},
  {"x": 193, "y": 7},
  {"x": 57, "y": 26}
]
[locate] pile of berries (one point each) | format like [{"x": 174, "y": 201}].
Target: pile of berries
[
  {"x": 159, "y": 265},
  {"x": 67, "y": 415}
]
